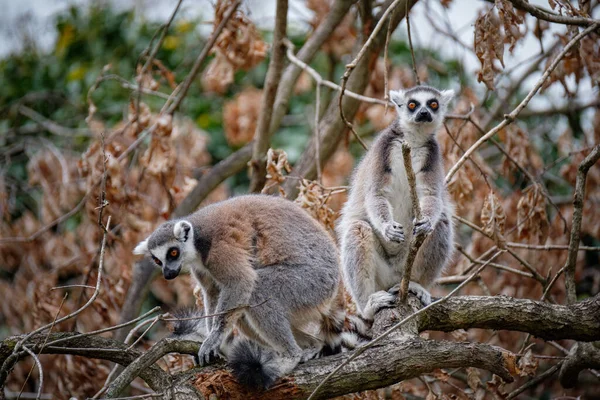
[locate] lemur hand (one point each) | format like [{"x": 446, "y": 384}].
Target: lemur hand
[
  {"x": 422, "y": 226},
  {"x": 209, "y": 350},
  {"x": 393, "y": 232}
]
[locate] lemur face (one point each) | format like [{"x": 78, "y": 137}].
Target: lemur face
[
  {"x": 422, "y": 106},
  {"x": 168, "y": 246}
]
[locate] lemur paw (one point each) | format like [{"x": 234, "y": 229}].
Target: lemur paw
[
  {"x": 422, "y": 226},
  {"x": 394, "y": 232},
  {"x": 420, "y": 292},
  {"x": 377, "y": 301},
  {"x": 209, "y": 351}
]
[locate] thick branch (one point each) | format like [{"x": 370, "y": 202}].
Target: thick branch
[
  {"x": 92, "y": 347},
  {"x": 262, "y": 136},
  {"x": 146, "y": 360},
  {"x": 579, "y": 321}
]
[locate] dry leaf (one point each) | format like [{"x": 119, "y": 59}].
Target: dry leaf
[
  {"x": 473, "y": 378},
  {"x": 493, "y": 219},
  {"x": 532, "y": 220},
  {"x": 489, "y": 47},
  {"x": 528, "y": 364}
]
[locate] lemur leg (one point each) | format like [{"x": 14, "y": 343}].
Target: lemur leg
[
  {"x": 359, "y": 261},
  {"x": 280, "y": 293}
]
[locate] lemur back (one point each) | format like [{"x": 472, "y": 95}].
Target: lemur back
[
  {"x": 276, "y": 267},
  {"x": 377, "y": 222}
]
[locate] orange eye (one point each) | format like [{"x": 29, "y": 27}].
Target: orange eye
[
  {"x": 434, "y": 105},
  {"x": 174, "y": 253},
  {"x": 157, "y": 261},
  {"x": 412, "y": 105}
]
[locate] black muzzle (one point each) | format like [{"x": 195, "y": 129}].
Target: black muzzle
[{"x": 423, "y": 116}]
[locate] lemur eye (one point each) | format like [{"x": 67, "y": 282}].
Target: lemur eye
[
  {"x": 434, "y": 105},
  {"x": 157, "y": 261},
  {"x": 172, "y": 253},
  {"x": 412, "y": 105}
]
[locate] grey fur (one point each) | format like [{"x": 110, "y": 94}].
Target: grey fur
[
  {"x": 377, "y": 222},
  {"x": 265, "y": 252}
]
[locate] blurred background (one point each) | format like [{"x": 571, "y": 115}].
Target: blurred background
[{"x": 68, "y": 74}]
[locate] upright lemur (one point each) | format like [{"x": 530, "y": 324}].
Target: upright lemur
[
  {"x": 269, "y": 255},
  {"x": 377, "y": 222}
]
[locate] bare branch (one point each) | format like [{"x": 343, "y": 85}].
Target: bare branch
[
  {"x": 201, "y": 57},
  {"x": 233, "y": 164},
  {"x": 262, "y": 135},
  {"x": 578, "y": 197},
  {"x": 551, "y": 17},
  {"x": 509, "y": 118}
]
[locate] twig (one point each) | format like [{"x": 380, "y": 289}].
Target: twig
[
  {"x": 111, "y": 328},
  {"x": 495, "y": 265},
  {"x": 578, "y": 197},
  {"x": 373, "y": 342},
  {"x": 350, "y": 67},
  {"x": 50, "y": 125},
  {"x": 509, "y": 118},
  {"x": 44, "y": 344},
  {"x": 39, "y": 365},
  {"x": 317, "y": 135},
  {"x": 262, "y": 135},
  {"x": 324, "y": 82},
  {"x": 410, "y": 45},
  {"x": 536, "y": 275},
  {"x": 549, "y": 247},
  {"x": 416, "y": 240},
  {"x": 386, "y": 92},
  {"x": 546, "y": 374},
  {"x": 72, "y": 286}
]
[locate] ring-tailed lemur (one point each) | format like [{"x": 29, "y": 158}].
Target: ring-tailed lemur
[
  {"x": 377, "y": 222},
  {"x": 269, "y": 255}
]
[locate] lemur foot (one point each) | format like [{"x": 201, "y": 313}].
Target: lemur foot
[
  {"x": 414, "y": 288},
  {"x": 377, "y": 301},
  {"x": 209, "y": 350},
  {"x": 422, "y": 226},
  {"x": 421, "y": 293},
  {"x": 394, "y": 232}
]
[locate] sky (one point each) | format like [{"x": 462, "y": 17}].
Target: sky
[{"x": 459, "y": 17}]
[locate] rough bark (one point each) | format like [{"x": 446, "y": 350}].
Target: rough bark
[{"x": 579, "y": 321}]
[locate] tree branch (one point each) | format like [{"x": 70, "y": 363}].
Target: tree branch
[
  {"x": 262, "y": 136},
  {"x": 332, "y": 126},
  {"x": 509, "y": 118},
  {"x": 578, "y": 197},
  {"x": 550, "y": 17}
]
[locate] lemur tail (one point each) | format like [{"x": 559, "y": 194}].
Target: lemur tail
[{"x": 254, "y": 366}]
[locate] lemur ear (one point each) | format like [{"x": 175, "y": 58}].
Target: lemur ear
[
  {"x": 182, "y": 230},
  {"x": 141, "y": 248},
  {"x": 447, "y": 96},
  {"x": 397, "y": 97}
]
